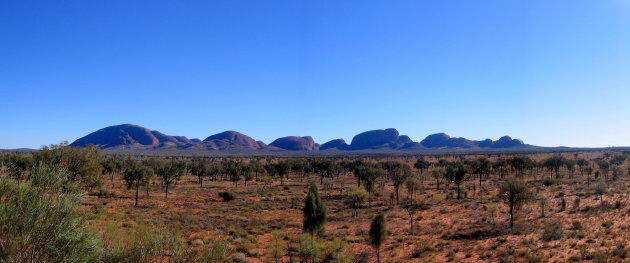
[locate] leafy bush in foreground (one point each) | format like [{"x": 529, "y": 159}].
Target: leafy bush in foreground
[{"x": 39, "y": 222}]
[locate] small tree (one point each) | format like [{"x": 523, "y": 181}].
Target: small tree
[
  {"x": 481, "y": 166},
  {"x": 437, "y": 172},
  {"x": 588, "y": 170},
  {"x": 601, "y": 189},
  {"x": 18, "y": 165},
  {"x": 399, "y": 175},
  {"x": 354, "y": 197},
  {"x": 413, "y": 184},
  {"x": 421, "y": 165},
  {"x": 283, "y": 168},
  {"x": 323, "y": 167},
  {"x": 314, "y": 211},
  {"x": 137, "y": 176},
  {"x": 170, "y": 174},
  {"x": 543, "y": 201},
  {"x": 456, "y": 173},
  {"x": 199, "y": 168},
  {"x": 378, "y": 234},
  {"x": 411, "y": 208},
  {"x": 515, "y": 193},
  {"x": 368, "y": 175},
  {"x": 154, "y": 164},
  {"x": 277, "y": 247}
]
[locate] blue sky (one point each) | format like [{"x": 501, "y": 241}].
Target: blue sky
[{"x": 548, "y": 72}]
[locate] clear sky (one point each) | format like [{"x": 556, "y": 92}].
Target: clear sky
[{"x": 548, "y": 72}]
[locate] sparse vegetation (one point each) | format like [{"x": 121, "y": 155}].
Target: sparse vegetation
[{"x": 268, "y": 219}]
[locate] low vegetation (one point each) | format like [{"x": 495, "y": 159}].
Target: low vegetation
[{"x": 77, "y": 204}]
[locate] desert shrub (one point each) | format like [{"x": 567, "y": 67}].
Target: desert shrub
[
  {"x": 313, "y": 250},
  {"x": 145, "y": 244},
  {"x": 552, "y": 231},
  {"x": 607, "y": 224},
  {"x": 218, "y": 251},
  {"x": 620, "y": 251},
  {"x": 576, "y": 225},
  {"x": 548, "y": 182},
  {"x": 562, "y": 205},
  {"x": 277, "y": 248},
  {"x": 239, "y": 258},
  {"x": 40, "y": 222},
  {"x": 421, "y": 249},
  {"x": 363, "y": 257},
  {"x": 227, "y": 196}
]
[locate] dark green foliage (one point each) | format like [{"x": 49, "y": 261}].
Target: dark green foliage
[
  {"x": 554, "y": 163},
  {"x": 399, "y": 174},
  {"x": 18, "y": 165},
  {"x": 501, "y": 166},
  {"x": 378, "y": 234},
  {"x": 323, "y": 167},
  {"x": 283, "y": 168},
  {"x": 314, "y": 211},
  {"x": 456, "y": 173},
  {"x": 170, "y": 173},
  {"x": 481, "y": 166},
  {"x": 137, "y": 175},
  {"x": 601, "y": 189},
  {"x": 227, "y": 196},
  {"x": 80, "y": 162},
  {"x": 520, "y": 163},
  {"x": 421, "y": 165},
  {"x": 368, "y": 174},
  {"x": 548, "y": 182}
]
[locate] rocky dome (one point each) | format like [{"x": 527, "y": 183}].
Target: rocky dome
[
  {"x": 294, "y": 143},
  {"x": 507, "y": 142},
  {"x": 443, "y": 140},
  {"x": 375, "y": 138},
  {"x": 163, "y": 138},
  {"x": 233, "y": 139},
  {"x": 334, "y": 144},
  {"x": 117, "y": 135},
  {"x": 435, "y": 140}
]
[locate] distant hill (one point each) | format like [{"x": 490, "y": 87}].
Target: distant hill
[
  {"x": 294, "y": 143},
  {"x": 125, "y": 134},
  {"x": 134, "y": 137},
  {"x": 441, "y": 140},
  {"x": 234, "y": 140}
]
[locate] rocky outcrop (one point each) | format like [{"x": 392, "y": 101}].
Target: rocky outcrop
[
  {"x": 440, "y": 140},
  {"x": 339, "y": 144},
  {"x": 233, "y": 140},
  {"x": 375, "y": 139},
  {"x": 507, "y": 142},
  {"x": 294, "y": 143},
  {"x": 112, "y": 136},
  {"x": 134, "y": 137}
]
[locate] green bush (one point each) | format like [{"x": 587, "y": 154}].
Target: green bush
[
  {"x": 552, "y": 231},
  {"x": 548, "y": 182},
  {"x": 40, "y": 223},
  {"x": 227, "y": 196}
]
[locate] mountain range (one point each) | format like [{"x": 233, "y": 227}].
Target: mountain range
[{"x": 131, "y": 137}]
